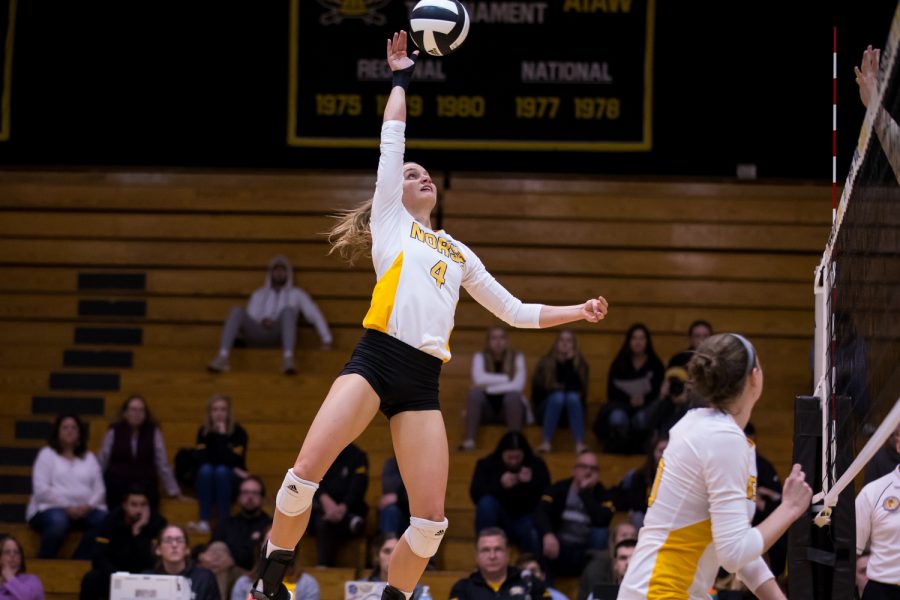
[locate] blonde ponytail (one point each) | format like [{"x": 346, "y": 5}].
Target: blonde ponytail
[{"x": 351, "y": 236}]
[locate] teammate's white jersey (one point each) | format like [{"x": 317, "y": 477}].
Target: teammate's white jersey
[
  {"x": 420, "y": 270},
  {"x": 700, "y": 508},
  {"x": 878, "y": 526}
]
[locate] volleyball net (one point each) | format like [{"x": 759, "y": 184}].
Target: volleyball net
[{"x": 856, "y": 361}]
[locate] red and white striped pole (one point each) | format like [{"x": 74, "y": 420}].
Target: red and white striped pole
[{"x": 834, "y": 127}]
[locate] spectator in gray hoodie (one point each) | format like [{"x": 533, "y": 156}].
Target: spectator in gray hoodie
[{"x": 271, "y": 318}]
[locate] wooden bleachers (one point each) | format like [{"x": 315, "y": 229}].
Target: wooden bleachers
[{"x": 664, "y": 253}]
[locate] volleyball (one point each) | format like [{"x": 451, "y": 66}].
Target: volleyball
[{"x": 439, "y": 27}]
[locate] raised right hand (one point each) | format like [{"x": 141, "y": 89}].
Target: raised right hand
[
  {"x": 867, "y": 74},
  {"x": 397, "y": 57}
]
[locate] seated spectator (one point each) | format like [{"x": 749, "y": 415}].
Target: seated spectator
[
  {"x": 634, "y": 380},
  {"x": 304, "y": 587},
  {"x": 885, "y": 460},
  {"x": 768, "y": 498},
  {"x": 660, "y": 416},
  {"x": 560, "y": 386},
  {"x": 506, "y": 489},
  {"x": 621, "y": 557},
  {"x": 218, "y": 560},
  {"x": 243, "y": 530},
  {"x": 339, "y": 506},
  {"x": 223, "y": 460},
  {"x": 133, "y": 452},
  {"x": 573, "y": 517},
  {"x": 174, "y": 558},
  {"x": 697, "y": 332},
  {"x": 393, "y": 506},
  {"x": 124, "y": 543},
  {"x": 494, "y": 578},
  {"x": 498, "y": 383},
  {"x": 382, "y": 547},
  {"x": 529, "y": 565},
  {"x": 67, "y": 489},
  {"x": 271, "y": 318},
  {"x": 15, "y": 583},
  {"x": 600, "y": 569},
  {"x": 631, "y": 493}
]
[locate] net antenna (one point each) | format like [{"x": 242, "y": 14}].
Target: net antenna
[{"x": 828, "y": 274}]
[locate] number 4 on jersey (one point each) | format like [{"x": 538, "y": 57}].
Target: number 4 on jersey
[{"x": 438, "y": 271}]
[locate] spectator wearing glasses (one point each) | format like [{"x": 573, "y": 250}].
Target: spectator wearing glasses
[
  {"x": 573, "y": 517},
  {"x": 175, "y": 559},
  {"x": 243, "y": 531}
]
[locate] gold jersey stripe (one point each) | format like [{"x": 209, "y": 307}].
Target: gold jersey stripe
[
  {"x": 676, "y": 561},
  {"x": 383, "y": 297}
]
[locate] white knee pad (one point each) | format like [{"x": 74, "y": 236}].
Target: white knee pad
[
  {"x": 295, "y": 495},
  {"x": 424, "y": 536}
]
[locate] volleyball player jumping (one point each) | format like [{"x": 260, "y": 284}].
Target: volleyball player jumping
[
  {"x": 396, "y": 364},
  {"x": 703, "y": 497}
]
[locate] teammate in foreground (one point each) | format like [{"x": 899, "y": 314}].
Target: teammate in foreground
[
  {"x": 702, "y": 499},
  {"x": 396, "y": 364}
]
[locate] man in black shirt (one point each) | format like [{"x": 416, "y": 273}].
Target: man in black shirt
[
  {"x": 124, "y": 543},
  {"x": 339, "y": 507},
  {"x": 243, "y": 531},
  {"x": 495, "y": 579}
]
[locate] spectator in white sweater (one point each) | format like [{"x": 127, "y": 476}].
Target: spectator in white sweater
[
  {"x": 67, "y": 489},
  {"x": 498, "y": 381},
  {"x": 271, "y": 318}
]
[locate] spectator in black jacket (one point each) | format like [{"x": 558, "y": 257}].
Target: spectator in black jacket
[
  {"x": 573, "y": 517},
  {"x": 634, "y": 380},
  {"x": 243, "y": 530},
  {"x": 124, "y": 543},
  {"x": 559, "y": 390},
  {"x": 495, "y": 579},
  {"x": 697, "y": 332},
  {"x": 660, "y": 416},
  {"x": 175, "y": 559},
  {"x": 339, "y": 507},
  {"x": 222, "y": 444},
  {"x": 506, "y": 488}
]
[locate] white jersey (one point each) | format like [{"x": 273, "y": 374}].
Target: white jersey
[
  {"x": 420, "y": 270},
  {"x": 878, "y": 527},
  {"x": 700, "y": 508}
]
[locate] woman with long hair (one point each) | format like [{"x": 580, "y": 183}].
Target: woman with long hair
[
  {"x": 223, "y": 463},
  {"x": 15, "y": 583},
  {"x": 67, "y": 489},
  {"x": 634, "y": 380},
  {"x": 703, "y": 497},
  {"x": 396, "y": 364},
  {"x": 560, "y": 387},
  {"x": 133, "y": 452},
  {"x": 498, "y": 380}
]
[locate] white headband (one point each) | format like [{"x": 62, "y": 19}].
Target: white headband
[{"x": 751, "y": 352}]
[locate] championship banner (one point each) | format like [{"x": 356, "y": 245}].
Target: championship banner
[
  {"x": 7, "y": 27},
  {"x": 560, "y": 75}
]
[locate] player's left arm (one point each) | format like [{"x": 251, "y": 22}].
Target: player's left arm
[{"x": 488, "y": 292}]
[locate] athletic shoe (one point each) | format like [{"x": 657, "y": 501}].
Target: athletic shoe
[
  {"x": 467, "y": 445},
  {"x": 544, "y": 448},
  {"x": 219, "y": 365}
]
